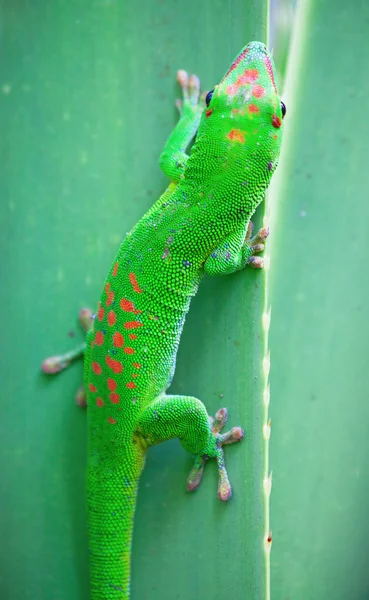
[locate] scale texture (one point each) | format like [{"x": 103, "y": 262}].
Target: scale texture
[{"x": 201, "y": 224}]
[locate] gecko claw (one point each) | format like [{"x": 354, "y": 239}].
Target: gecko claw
[
  {"x": 81, "y": 397},
  {"x": 216, "y": 451},
  {"x": 54, "y": 364},
  {"x": 190, "y": 85},
  {"x": 255, "y": 245}
]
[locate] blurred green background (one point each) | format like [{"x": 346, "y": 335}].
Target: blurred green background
[{"x": 87, "y": 94}]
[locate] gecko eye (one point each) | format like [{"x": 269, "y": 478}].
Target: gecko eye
[
  {"x": 208, "y": 97},
  {"x": 283, "y": 109}
]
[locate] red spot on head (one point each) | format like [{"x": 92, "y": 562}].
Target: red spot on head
[
  {"x": 99, "y": 338},
  {"x": 96, "y": 368},
  {"x": 276, "y": 121},
  {"x": 99, "y": 402},
  {"x": 133, "y": 281},
  {"x": 128, "y": 350},
  {"x": 208, "y": 112},
  {"x": 258, "y": 91},
  {"x": 249, "y": 76},
  {"x": 114, "y": 398},
  {"x": 132, "y": 325},
  {"x": 130, "y": 385},
  {"x": 236, "y": 136},
  {"x": 111, "y": 420},
  {"x": 100, "y": 313},
  {"x": 232, "y": 89},
  {"x": 115, "y": 269},
  {"x": 107, "y": 288},
  {"x": 112, "y": 384},
  {"x": 118, "y": 340},
  {"x": 92, "y": 388},
  {"x": 252, "y": 108},
  {"x": 110, "y": 299},
  {"x": 136, "y": 365},
  {"x": 132, "y": 336},
  {"x": 112, "y": 317}
]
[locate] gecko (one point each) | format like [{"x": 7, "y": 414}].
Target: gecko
[{"x": 200, "y": 225}]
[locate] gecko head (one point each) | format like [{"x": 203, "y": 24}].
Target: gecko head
[{"x": 244, "y": 114}]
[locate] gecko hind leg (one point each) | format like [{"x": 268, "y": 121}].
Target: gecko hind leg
[{"x": 185, "y": 417}]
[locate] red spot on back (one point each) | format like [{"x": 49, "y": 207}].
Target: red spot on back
[
  {"x": 128, "y": 306},
  {"x": 236, "y": 136},
  {"x": 128, "y": 350},
  {"x": 133, "y": 280},
  {"x": 100, "y": 313},
  {"x": 115, "y": 269},
  {"x": 99, "y": 402},
  {"x": 96, "y": 368},
  {"x": 110, "y": 299},
  {"x": 132, "y": 325},
  {"x": 258, "y": 91},
  {"x": 111, "y": 420},
  {"x": 252, "y": 108},
  {"x": 112, "y": 384},
  {"x": 132, "y": 336},
  {"x": 137, "y": 365},
  {"x": 116, "y": 366},
  {"x": 115, "y": 398},
  {"x": 208, "y": 112},
  {"x": 99, "y": 338},
  {"x": 276, "y": 121},
  {"x": 118, "y": 340},
  {"x": 130, "y": 385},
  {"x": 107, "y": 287},
  {"x": 92, "y": 388},
  {"x": 112, "y": 317}
]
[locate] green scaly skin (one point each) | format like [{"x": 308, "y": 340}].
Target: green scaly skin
[{"x": 201, "y": 224}]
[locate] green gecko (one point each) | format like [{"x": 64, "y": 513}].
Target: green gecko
[{"x": 201, "y": 224}]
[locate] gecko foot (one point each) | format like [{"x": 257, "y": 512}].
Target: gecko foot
[
  {"x": 192, "y": 102},
  {"x": 215, "y": 450},
  {"x": 255, "y": 245},
  {"x": 55, "y": 364}
]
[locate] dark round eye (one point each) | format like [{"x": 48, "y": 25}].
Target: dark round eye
[
  {"x": 208, "y": 97},
  {"x": 283, "y": 109}
]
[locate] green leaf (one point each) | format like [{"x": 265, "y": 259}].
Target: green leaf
[
  {"x": 87, "y": 100},
  {"x": 319, "y": 327}
]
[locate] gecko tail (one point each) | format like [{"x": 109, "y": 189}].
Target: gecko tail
[{"x": 112, "y": 486}]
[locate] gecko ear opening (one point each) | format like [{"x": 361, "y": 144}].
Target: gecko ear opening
[{"x": 283, "y": 109}]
